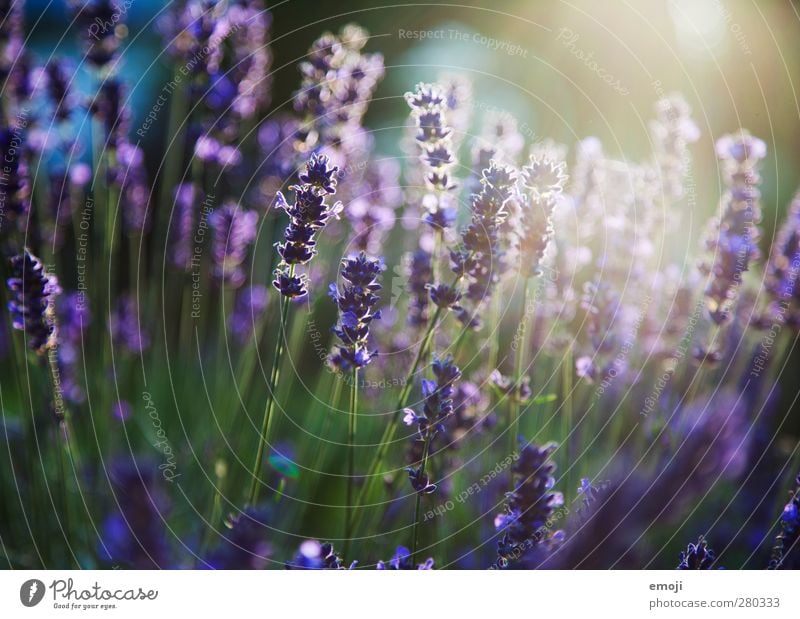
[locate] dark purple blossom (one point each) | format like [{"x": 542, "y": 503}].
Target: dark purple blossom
[
  {"x": 786, "y": 553},
  {"x": 33, "y": 291},
  {"x": 98, "y": 24},
  {"x": 697, "y": 556},
  {"x": 14, "y": 174},
  {"x": 309, "y": 213},
  {"x": 783, "y": 270},
  {"x": 356, "y": 302},
  {"x": 437, "y": 396},
  {"x": 134, "y": 191},
  {"x": 401, "y": 560},
  {"x": 420, "y": 274},
  {"x": 530, "y": 505}
]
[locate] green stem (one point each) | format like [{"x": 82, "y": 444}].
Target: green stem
[
  {"x": 263, "y": 437},
  {"x": 418, "y": 501},
  {"x": 351, "y": 457}
]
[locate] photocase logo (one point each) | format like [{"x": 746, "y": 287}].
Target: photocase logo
[{"x": 31, "y": 592}]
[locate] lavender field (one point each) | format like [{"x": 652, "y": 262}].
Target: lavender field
[{"x": 311, "y": 285}]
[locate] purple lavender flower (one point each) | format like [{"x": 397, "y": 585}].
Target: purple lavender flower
[
  {"x": 428, "y": 110},
  {"x": 33, "y": 292},
  {"x": 478, "y": 257},
  {"x": 309, "y": 213},
  {"x": 245, "y": 545},
  {"x": 134, "y": 191},
  {"x": 235, "y": 230},
  {"x": 251, "y": 303},
  {"x": 187, "y": 196},
  {"x": 58, "y": 88},
  {"x": 733, "y": 239},
  {"x": 337, "y": 84},
  {"x": 371, "y": 211},
  {"x": 420, "y": 274},
  {"x": 135, "y": 533},
  {"x": 786, "y": 553},
  {"x": 74, "y": 318},
  {"x": 697, "y": 556},
  {"x": 15, "y": 174},
  {"x": 673, "y": 130},
  {"x": 530, "y": 505},
  {"x": 313, "y": 555},
  {"x": 97, "y": 22},
  {"x": 356, "y": 302},
  {"x": 126, "y": 326},
  {"x": 401, "y": 560},
  {"x": 437, "y": 408},
  {"x": 544, "y": 181},
  {"x": 782, "y": 269},
  {"x": 108, "y": 107}
]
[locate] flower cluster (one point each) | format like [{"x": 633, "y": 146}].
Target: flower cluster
[
  {"x": 314, "y": 555},
  {"x": 338, "y": 80},
  {"x": 401, "y": 560},
  {"x": 420, "y": 274},
  {"x": 478, "y": 258},
  {"x": 530, "y": 505},
  {"x": 98, "y": 23},
  {"x": 437, "y": 407},
  {"x": 543, "y": 179},
  {"x": 783, "y": 268},
  {"x": 33, "y": 291},
  {"x": 733, "y": 239},
  {"x": 697, "y": 556},
  {"x": 428, "y": 109},
  {"x": 356, "y": 302},
  {"x": 673, "y": 130},
  {"x": 786, "y": 554},
  {"x": 235, "y": 230},
  {"x": 309, "y": 213}
]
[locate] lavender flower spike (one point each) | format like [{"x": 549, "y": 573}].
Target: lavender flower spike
[
  {"x": 309, "y": 213},
  {"x": 234, "y": 230},
  {"x": 428, "y": 109},
  {"x": 355, "y": 302},
  {"x": 544, "y": 181},
  {"x": 733, "y": 239},
  {"x": 529, "y": 506},
  {"x": 33, "y": 292}
]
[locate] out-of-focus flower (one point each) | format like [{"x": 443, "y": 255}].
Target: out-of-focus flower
[
  {"x": 371, "y": 212},
  {"x": 245, "y": 545},
  {"x": 783, "y": 270},
  {"x": 126, "y": 326},
  {"x": 187, "y": 196},
  {"x": 235, "y": 230},
  {"x": 33, "y": 291},
  {"x": 732, "y": 240},
  {"x": 251, "y": 303},
  {"x": 134, "y": 192},
  {"x": 101, "y": 26},
  {"x": 135, "y": 533}
]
